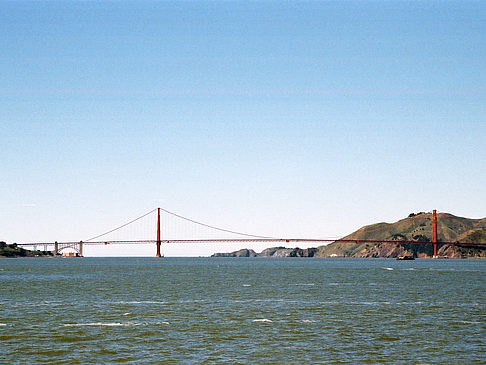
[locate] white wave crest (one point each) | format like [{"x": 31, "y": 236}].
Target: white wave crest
[
  {"x": 112, "y": 324},
  {"x": 305, "y": 284},
  {"x": 262, "y": 320}
]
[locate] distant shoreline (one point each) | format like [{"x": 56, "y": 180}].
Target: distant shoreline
[{"x": 14, "y": 251}]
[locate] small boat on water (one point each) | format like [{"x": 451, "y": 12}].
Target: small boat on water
[{"x": 406, "y": 257}]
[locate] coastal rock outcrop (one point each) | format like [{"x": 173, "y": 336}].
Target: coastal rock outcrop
[
  {"x": 240, "y": 253},
  {"x": 270, "y": 252}
]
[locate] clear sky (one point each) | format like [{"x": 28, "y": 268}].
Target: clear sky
[{"x": 286, "y": 118}]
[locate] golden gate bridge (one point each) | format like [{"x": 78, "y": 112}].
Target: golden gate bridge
[{"x": 172, "y": 228}]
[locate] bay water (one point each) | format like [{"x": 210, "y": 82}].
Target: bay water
[{"x": 242, "y": 311}]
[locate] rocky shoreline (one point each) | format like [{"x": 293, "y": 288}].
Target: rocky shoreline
[
  {"x": 270, "y": 252},
  {"x": 383, "y": 250},
  {"x": 416, "y": 227}
]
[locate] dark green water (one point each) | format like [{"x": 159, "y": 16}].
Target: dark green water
[{"x": 242, "y": 311}]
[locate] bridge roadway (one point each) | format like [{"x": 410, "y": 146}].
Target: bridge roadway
[
  {"x": 243, "y": 240},
  {"x": 78, "y": 245}
]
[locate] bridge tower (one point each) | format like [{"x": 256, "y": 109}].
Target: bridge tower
[
  {"x": 158, "y": 233},
  {"x": 434, "y": 232}
]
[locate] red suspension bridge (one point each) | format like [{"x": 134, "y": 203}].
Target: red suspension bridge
[{"x": 171, "y": 228}]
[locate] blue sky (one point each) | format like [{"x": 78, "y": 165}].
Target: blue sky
[{"x": 298, "y": 118}]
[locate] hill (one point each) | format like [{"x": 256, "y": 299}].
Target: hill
[
  {"x": 416, "y": 227},
  {"x": 14, "y": 251}
]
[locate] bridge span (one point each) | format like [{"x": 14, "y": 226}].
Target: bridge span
[{"x": 57, "y": 247}]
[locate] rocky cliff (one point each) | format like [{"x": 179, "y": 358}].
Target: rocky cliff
[{"x": 270, "y": 252}]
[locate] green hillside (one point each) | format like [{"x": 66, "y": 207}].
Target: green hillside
[{"x": 14, "y": 251}]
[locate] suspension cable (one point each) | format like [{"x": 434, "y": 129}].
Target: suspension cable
[
  {"x": 213, "y": 227},
  {"x": 123, "y": 225}
]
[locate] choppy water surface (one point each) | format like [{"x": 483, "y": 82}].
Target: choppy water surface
[{"x": 246, "y": 311}]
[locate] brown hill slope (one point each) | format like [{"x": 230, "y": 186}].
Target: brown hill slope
[{"x": 416, "y": 227}]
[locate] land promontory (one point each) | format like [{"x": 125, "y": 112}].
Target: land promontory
[
  {"x": 415, "y": 227},
  {"x": 12, "y": 250}
]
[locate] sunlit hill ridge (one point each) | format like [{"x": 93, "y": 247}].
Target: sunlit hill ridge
[{"x": 416, "y": 227}]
